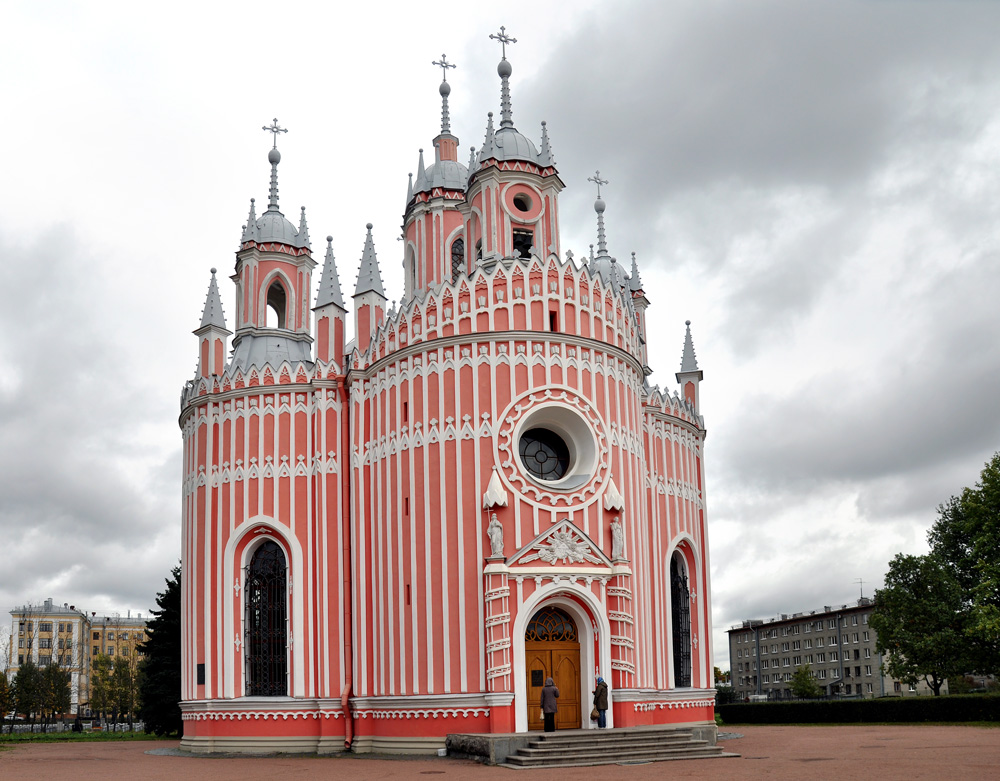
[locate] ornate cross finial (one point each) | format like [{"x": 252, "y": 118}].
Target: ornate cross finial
[
  {"x": 275, "y": 130},
  {"x": 444, "y": 65},
  {"x": 504, "y": 39},
  {"x": 596, "y": 179}
]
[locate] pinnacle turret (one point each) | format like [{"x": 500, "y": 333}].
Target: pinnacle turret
[
  {"x": 689, "y": 363},
  {"x": 329, "y": 283},
  {"x": 545, "y": 158},
  {"x": 213, "y": 315},
  {"x": 634, "y": 282},
  {"x": 302, "y": 239},
  {"x": 369, "y": 275}
]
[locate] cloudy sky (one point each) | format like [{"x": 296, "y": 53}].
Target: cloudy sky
[{"x": 814, "y": 184}]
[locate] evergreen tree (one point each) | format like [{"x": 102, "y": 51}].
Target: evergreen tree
[
  {"x": 160, "y": 691},
  {"x": 6, "y": 697},
  {"x": 27, "y": 689}
]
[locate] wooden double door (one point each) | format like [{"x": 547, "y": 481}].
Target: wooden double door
[{"x": 559, "y": 659}]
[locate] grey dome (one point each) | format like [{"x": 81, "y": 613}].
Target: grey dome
[
  {"x": 449, "y": 174},
  {"x": 273, "y": 226},
  {"x": 511, "y": 145}
]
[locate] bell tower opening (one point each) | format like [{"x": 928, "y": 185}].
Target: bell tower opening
[
  {"x": 276, "y": 303},
  {"x": 522, "y": 240}
]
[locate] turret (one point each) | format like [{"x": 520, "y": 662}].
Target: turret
[
  {"x": 639, "y": 303},
  {"x": 690, "y": 376},
  {"x": 212, "y": 334},
  {"x": 330, "y": 314},
  {"x": 512, "y": 198},
  {"x": 273, "y": 278},
  {"x": 369, "y": 295}
]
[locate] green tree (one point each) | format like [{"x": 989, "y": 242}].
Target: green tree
[
  {"x": 124, "y": 690},
  {"x": 920, "y": 622},
  {"x": 101, "y": 696},
  {"x": 27, "y": 689},
  {"x": 6, "y": 697},
  {"x": 966, "y": 539},
  {"x": 161, "y": 680},
  {"x": 803, "y": 684},
  {"x": 54, "y": 697}
]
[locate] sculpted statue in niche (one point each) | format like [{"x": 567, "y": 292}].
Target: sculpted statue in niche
[
  {"x": 495, "y": 532},
  {"x": 617, "y": 540}
]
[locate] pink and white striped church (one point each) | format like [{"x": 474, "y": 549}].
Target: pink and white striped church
[{"x": 398, "y": 537}]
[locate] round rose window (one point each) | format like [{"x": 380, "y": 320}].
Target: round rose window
[{"x": 544, "y": 454}]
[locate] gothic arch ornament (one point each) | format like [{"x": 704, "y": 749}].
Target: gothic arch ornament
[
  {"x": 594, "y": 628},
  {"x": 241, "y": 546},
  {"x": 277, "y": 277}
]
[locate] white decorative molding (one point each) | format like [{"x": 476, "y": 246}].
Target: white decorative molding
[
  {"x": 563, "y": 543},
  {"x": 495, "y": 496},
  {"x": 613, "y": 499}
]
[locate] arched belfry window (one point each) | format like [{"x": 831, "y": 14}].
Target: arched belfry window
[
  {"x": 680, "y": 608},
  {"x": 457, "y": 258},
  {"x": 265, "y": 625},
  {"x": 276, "y": 304},
  {"x": 551, "y": 623}
]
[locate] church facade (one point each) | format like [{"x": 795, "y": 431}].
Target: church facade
[{"x": 394, "y": 538}]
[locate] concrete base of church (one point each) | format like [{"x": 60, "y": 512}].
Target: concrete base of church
[{"x": 494, "y": 749}]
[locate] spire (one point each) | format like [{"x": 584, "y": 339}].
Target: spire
[
  {"x": 634, "y": 283},
  {"x": 545, "y": 158},
  {"x": 504, "y": 70},
  {"x": 472, "y": 161},
  {"x": 369, "y": 276},
  {"x": 274, "y": 157},
  {"x": 212, "y": 314},
  {"x": 250, "y": 229},
  {"x": 302, "y": 238},
  {"x": 444, "y": 90},
  {"x": 329, "y": 283},
  {"x": 599, "y": 207},
  {"x": 421, "y": 171},
  {"x": 488, "y": 149},
  {"x": 591, "y": 263},
  {"x": 688, "y": 361},
  {"x": 409, "y": 189}
]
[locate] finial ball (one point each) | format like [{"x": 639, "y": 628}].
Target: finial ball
[
  {"x": 369, "y": 226},
  {"x": 329, "y": 239},
  {"x": 213, "y": 270},
  {"x": 444, "y": 89},
  {"x": 600, "y": 206},
  {"x": 687, "y": 322},
  {"x": 503, "y": 69},
  {"x": 274, "y": 157}
]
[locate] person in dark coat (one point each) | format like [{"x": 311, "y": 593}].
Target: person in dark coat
[
  {"x": 601, "y": 702},
  {"x": 549, "y": 708}
]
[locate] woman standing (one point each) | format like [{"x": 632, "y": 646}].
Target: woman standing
[
  {"x": 549, "y": 708},
  {"x": 601, "y": 702}
]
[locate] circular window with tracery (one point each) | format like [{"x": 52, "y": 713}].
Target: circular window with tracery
[
  {"x": 544, "y": 454},
  {"x": 551, "y": 624}
]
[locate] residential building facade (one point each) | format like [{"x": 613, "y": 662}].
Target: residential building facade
[{"x": 835, "y": 641}]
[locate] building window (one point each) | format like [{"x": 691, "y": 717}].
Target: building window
[
  {"x": 868, "y": 669},
  {"x": 896, "y": 687},
  {"x": 865, "y": 636},
  {"x": 869, "y": 689},
  {"x": 111, "y": 635},
  {"x": 97, "y": 635},
  {"x": 265, "y": 622},
  {"x": 680, "y": 608},
  {"x": 45, "y": 642},
  {"x": 854, "y": 620},
  {"x": 111, "y": 650},
  {"x": 544, "y": 454},
  {"x": 868, "y": 653},
  {"x": 457, "y": 258},
  {"x": 45, "y": 627}
]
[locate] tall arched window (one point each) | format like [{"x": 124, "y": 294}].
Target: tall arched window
[
  {"x": 276, "y": 303},
  {"x": 457, "y": 258},
  {"x": 265, "y": 624},
  {"x": 680, "y": 608}
]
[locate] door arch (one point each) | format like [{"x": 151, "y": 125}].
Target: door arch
[{"x": 552, "y": 648}]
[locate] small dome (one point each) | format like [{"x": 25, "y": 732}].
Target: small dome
[
  {"x": 511, "y": 145},
  {"x": 444, "y": 89},
  {"x": 272, "y": 226},
  {"x": 274, "y": 156},
  {"x": 600, "y": 206},
  {"x": 503, "y": 69},
  {"x": 449, "y": 174}
]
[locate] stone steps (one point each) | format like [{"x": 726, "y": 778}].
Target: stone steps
[{"x": 585, "y": 748}]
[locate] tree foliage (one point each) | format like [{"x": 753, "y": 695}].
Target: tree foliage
[
  {"x": 54, "y": 696},
  {"x": 966, "y": 539},
  {"x": 27, "y": 689},
  {"x": 161, "y": 682},
  {"x": 101, "y": 696},
  {"x": 920, "y": 622},
  {"x": 803, "y": 684}
]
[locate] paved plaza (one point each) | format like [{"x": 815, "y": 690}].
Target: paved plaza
[{"x": 841, "y": 753}]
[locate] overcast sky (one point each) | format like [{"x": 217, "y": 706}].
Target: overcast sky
[{"x": 813, "y": 184}]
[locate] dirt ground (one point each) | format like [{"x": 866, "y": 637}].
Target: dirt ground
[{"x": 841, "y": 753}]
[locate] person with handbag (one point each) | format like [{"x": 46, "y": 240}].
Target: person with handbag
[
  {"x": 601, "y": 703},
  {"x": 549, "y": 708}
]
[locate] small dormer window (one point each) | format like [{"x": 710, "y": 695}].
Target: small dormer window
[{"x": 276, "y": 303}]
